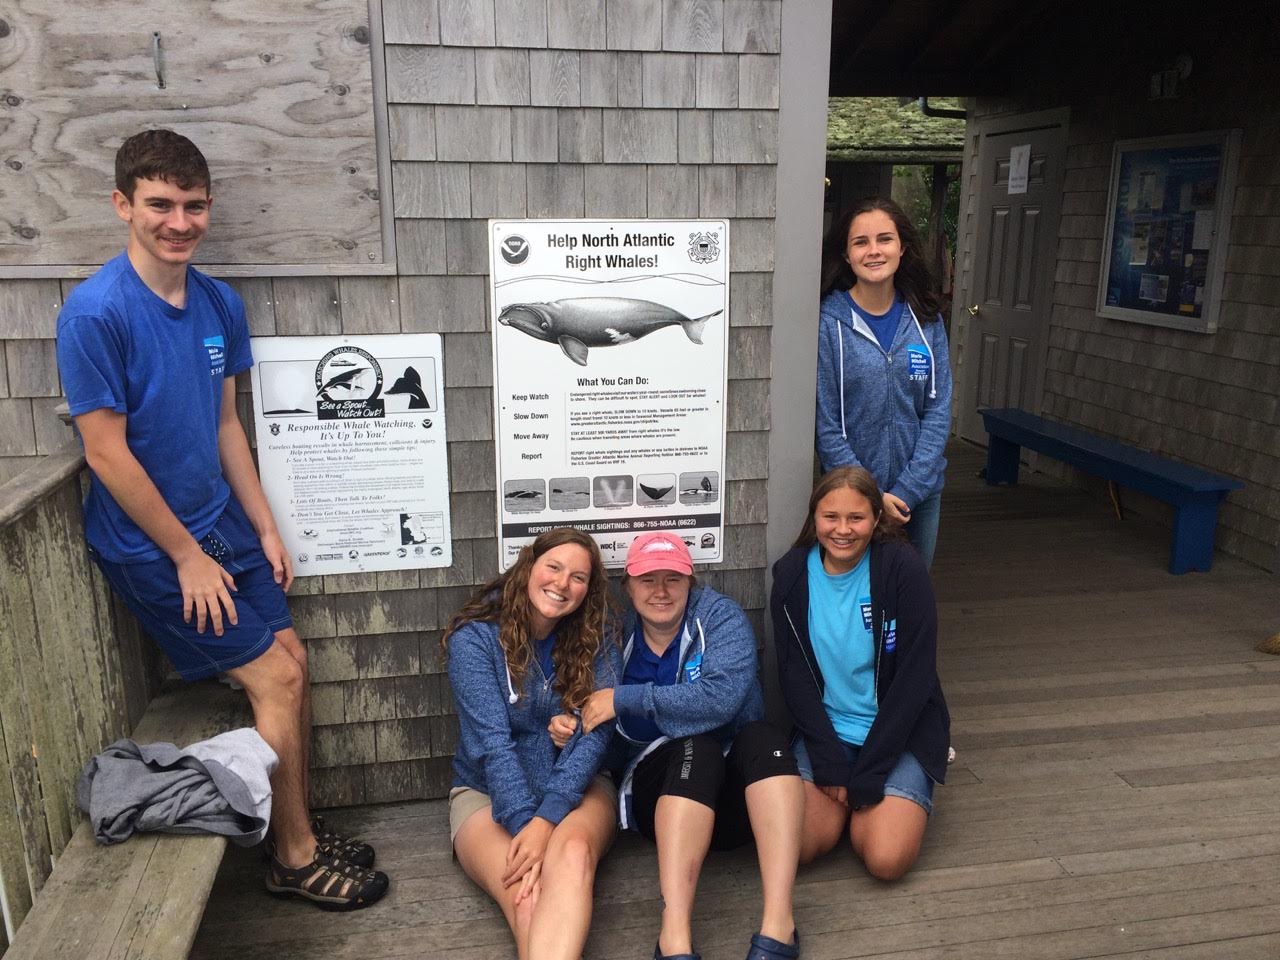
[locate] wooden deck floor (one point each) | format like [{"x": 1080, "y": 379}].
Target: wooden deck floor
[{"x": 1117, "y": 791}]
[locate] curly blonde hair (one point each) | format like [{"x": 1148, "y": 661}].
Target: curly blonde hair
[{"x": 580, "y": 636}]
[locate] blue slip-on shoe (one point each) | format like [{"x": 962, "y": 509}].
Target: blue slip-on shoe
[
  {"x": 659, "y": 955},
  {"x": 767, "y": 948}
]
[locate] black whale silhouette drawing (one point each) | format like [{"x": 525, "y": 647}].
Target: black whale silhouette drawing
[{"x": 587, "y": 322}]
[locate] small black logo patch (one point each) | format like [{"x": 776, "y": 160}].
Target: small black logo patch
[{"x": 514, "y": 249}]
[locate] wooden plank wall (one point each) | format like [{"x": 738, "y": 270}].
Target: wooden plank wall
[
  {"x": 70, "y": 681},
  {"x": 1211, "y": 400},
  {"x": 497, "y": 108},
  {"x": 281, "y": 105}
]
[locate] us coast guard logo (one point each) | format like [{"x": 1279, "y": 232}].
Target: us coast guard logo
[
  {"x": 348, "y": 382},
  {"x": 704, "y": 247}
]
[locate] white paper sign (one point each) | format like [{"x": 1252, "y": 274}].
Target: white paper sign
[
  {"x": 610, "y": 347},
  {"x": 1019, "y": 168},
  {"x": 351, "y": 448}
]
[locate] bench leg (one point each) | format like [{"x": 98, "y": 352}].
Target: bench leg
[
  {"x": 1194, "y": 525},
  {"x": 1002, "y": 460}
]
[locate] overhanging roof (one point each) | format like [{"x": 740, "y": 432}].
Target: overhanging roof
[{"x": 882, "y": 130}]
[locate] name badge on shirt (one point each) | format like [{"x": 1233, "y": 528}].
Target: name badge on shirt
[
  {"x": 693, "y": 667},
  {"x": 864, "y": 604},
  {"x": 917, "y": 363},
  {"x": 890, "y": 636},
  {"x": 217, "y": 354}
]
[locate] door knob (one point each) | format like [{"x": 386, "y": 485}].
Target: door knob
[{"x": 974, "y": 310}]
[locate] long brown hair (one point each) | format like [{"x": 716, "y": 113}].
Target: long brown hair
[
  {"x": 913, "y": 279},
  {"x": 580, "y": 636},
  {"x": 859, "y": 480}
]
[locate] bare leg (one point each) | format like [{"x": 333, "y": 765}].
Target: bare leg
[
  {"x": 290, "y": 640},
  {"x": 562, "y": 915},
  {"x": 276, "y": 685},
  {"x": 824, "y": 823},
  {"x": 481, "y": 846},
  {"x": 888, "y": 835},
  {"x": 776, "y": 807},
  {"x": 682, "y": 828}
]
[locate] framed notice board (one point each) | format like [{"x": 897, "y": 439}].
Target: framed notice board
[{"x": 1168, "y": 214}]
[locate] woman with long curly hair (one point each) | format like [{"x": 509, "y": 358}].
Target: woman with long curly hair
[
  {"x": 855, "y": 630},
  {"x": 530, "y": 820},
  {"x": 884, "y": 380}
]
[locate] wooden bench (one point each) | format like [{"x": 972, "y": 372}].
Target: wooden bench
[
  {"x": 142, "y": 899},
  {"x": 1194, "y": 493}
]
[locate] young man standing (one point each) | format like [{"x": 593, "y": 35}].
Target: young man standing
[{"x": 148, "y": 349}]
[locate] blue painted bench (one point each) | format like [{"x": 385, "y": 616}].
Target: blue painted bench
[{"x": 1194, "y": 493}]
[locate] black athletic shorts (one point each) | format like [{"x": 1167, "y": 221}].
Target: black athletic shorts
[{"x": 694, "y": 767}]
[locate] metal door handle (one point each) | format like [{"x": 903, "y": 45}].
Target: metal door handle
[{"x": 974, "y": 310}]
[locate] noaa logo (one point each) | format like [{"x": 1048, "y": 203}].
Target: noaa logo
[
  {"x": 704, "y": 247},
  {"x": 437, "y": 551},
  {"x": 303, "y": 558},
  {"x": 401, "y": 552},
  {"x": 426, "y": 423},
  {"x": 275, "y": 429},
  {"x": 514, "y": 249},
  {"x": 353, "y": 554}
]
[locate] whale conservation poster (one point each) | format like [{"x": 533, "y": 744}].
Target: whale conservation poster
[
  {"x": 610, "y": 345},
  {"x": 351, "y": 450}
]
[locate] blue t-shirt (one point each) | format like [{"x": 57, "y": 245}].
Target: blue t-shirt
[
  {"x": 645, "y": 666},
  {"x": 883, "y": 325},
  {"x": 122, "y": 347},
  {"x": 543, "y": 650},
  {"x": 840, "y": 629}
]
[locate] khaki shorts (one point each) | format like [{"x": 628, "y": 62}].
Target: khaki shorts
[{"x": 464, "y": 801}]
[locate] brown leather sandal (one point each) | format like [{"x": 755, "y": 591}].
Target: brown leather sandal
[
  {"x": 348, "y": 849},
  {"x": 328, "y": 883}
]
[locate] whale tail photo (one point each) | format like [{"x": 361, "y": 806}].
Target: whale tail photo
[{"x": 693, "y": 328}]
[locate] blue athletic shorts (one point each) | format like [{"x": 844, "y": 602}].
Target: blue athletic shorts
[
  {"x": 150, "y": 590},
  {"x": 907, "y": 778}
]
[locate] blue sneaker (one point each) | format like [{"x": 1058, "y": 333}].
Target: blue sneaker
[{"x": 767, "y": 948}]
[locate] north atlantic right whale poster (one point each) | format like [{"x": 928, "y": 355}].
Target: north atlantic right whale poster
[{"x": 610, "y": 347}]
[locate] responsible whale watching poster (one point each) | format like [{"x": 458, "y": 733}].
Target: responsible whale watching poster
[
  {"x": 610, "y": 346},
  {"x": 351, "y": 449}
]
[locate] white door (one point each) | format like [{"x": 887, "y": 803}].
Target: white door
[{"x": 1012, "y": 288}]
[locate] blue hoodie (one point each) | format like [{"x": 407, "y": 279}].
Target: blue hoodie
[
  {"x": 888, "y": 411},
  {"x": 717, "y": 688},
  {"x": 504, "y": 749}
]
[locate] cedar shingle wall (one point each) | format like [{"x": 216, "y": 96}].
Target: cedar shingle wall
[
  {"x": 1211, "y": 400},
  {"x": 497, "y": 108}
]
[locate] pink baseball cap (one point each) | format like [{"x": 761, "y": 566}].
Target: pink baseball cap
[{"x": 658, "y": 551}]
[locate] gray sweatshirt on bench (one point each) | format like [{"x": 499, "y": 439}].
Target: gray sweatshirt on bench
[{"x": 220, "y": 786}]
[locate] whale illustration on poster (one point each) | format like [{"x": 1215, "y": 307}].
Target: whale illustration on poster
[
  {"x": 610, "y": 343},
  {"x": 585, "y": 322}
]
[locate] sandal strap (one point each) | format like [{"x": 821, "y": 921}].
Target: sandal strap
[{"x": 335, "y": 844}]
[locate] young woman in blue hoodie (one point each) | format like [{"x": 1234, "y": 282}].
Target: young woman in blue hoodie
[
  {"x": 855, "y": 631},
  {"x": 700, "y": 768},
  {"x": 884, "y": 380},
  {"x": 530, "y": 820}
]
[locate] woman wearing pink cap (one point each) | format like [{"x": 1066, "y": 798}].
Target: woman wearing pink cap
[{"x": 699, "y": 766}]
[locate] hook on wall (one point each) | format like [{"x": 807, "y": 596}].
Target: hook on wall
[{"x": 155, "y": 59}]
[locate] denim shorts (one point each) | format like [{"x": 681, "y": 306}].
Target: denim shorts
[
  {"x": 907, "y": 779},
  {"x": 151, "y": 592}
]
